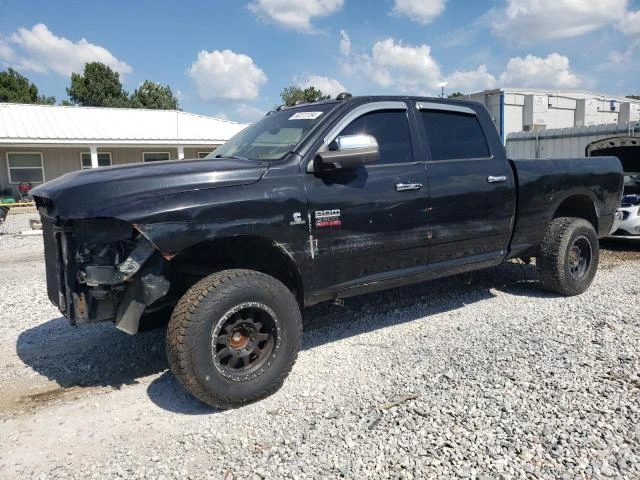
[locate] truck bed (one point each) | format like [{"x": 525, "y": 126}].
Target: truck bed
[{"x": 545, "y": 185}]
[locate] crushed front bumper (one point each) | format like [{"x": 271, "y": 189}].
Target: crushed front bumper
[{"x": 99, "y": 270}]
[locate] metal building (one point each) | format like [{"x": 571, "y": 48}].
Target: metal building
[
  {"x": 526, "y": 110},
  {"x": 574, "y": 142}
]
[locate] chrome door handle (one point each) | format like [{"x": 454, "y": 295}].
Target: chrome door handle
[
  {"x": 496, "y": 179},
  {"x": 403, "y": 187}
]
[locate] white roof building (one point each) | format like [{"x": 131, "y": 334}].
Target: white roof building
[
  {"x": 48, "y": 124},
  {"x": 41, "y": 142}
]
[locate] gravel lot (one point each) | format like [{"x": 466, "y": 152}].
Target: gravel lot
[{"x": 478, "y": 376}]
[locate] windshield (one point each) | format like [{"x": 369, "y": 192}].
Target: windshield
[
  {"x": 631, "y": 182},
  {"x": 275, "y": 135}
]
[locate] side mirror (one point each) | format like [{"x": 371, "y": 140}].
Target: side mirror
[{"x": 350, "y": 151}]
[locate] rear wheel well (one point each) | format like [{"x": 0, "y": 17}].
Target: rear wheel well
[
  {"x": 580, "y": 206},
  {"x": 245, "y": 252}
]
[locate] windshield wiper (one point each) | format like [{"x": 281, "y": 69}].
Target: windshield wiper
[{"x": 235, "y": 157}]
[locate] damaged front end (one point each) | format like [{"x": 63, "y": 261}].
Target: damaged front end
[{"x": 102, "y": 270}]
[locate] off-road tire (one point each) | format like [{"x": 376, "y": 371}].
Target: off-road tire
[
  {"x": 553, "y": 260},
  {"x": 193, "y": 322}
]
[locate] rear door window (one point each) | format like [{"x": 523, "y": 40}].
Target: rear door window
[{"x": 454, "y": 135}]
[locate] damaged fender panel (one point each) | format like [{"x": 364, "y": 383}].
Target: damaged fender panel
[{"x": 144, "y": 290}]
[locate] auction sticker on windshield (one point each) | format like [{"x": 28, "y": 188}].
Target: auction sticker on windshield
[{"x": 305, "y": 116}]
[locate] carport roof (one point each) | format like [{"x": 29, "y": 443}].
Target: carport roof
[{"x": 48, "y": 124}]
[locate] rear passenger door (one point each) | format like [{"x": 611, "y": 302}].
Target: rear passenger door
[{"x": 471, "y": 189}]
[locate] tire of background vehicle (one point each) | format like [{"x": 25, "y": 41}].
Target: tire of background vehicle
[
  {"x": 568, "y": 257},
  {"x": 212, "y": 311}
]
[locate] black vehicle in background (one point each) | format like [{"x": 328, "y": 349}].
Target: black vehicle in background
[{"x": 316, "y": 202}]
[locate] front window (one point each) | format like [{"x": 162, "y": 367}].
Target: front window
[
  {"x": 104, "y": 160},
  {"x": 155, "y": 156},
  {"x": 25, "y": 167},
  {"x": 275, "y": 135},
  {"x": 390, "y": 128}
]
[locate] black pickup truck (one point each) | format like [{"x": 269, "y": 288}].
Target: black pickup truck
[{"x": 316, "y": 202}]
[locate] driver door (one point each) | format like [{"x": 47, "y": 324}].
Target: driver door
[{"x": 369, "y": 223}]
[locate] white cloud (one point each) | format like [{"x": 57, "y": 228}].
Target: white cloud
[
  {"x": 529, "y": 20},
  {"x": 408, "y": 69},
  {"x": 6, "y": 52},
  {"x": 622, "y": 61},
  {"x": 392, "y": 64},
  {"x": 630, "y": 23},
  {"x": 220, "y": 115},
  {"x": 327, "y": 85},
  {"x": 421, "y": 11},
  {"x": 243, "y": 113},
  {"x": 294, "y": 14},
  {"x": 345, "y": 43},
  {"x": 39, "y": 50},
  {"x": 248, "y": 113},
  {"x": 226, "y": 75},
  {"x": 553, "y": 72},
  {"x": 469, "y": 81}
]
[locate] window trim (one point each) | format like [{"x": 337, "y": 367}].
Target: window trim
[
  {"x": 147, "y": 161},
  {"x": 205, "y": 154},
  {"x": 446, "y": 107},
  {"x": 44, "y": 178},
  {"x": 82, "y": 167},
  {"x": 360, "y": 111}
]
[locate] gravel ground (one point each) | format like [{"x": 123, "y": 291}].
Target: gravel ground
[
  {"x": 10, "y": 232},
  {"x": 477, "y": 376}
]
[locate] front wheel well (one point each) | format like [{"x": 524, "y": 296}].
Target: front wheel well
[
  {"x": 239, "y": 252},
  {"x": 579, "y": 206}
]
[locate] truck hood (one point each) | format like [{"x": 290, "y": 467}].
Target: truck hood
[{"x": 91, "y": 193}]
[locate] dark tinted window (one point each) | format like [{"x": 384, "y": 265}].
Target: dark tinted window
[
  {"x": 454, "y": 135},
  {"x": 391, "y": 130}
]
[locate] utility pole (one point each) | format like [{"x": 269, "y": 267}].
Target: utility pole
[{"x": 442, "y": 85}]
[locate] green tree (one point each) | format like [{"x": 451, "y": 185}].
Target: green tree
[
  {"x": 153, "y": 95},
  {"x": 98, "y": 86},
  {"x": 18, "y": 89},
  {"x": 635, "y": 97},
  {"x": 291, "y": 95},
  {"x": 456, "y": 94}
]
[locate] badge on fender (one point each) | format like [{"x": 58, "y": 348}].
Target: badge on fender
[
  {"x": 297, "y": 219},
  {"x": 328, "y": 218}
]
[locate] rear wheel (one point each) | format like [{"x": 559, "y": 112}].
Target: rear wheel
[
  {"x": 233, "y": 337},
  {"x": 568, "y": 257}
]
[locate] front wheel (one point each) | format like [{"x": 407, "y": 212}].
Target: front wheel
[
  {"x": 233, "y": 337},
  {"x": 568, "y": 257}
]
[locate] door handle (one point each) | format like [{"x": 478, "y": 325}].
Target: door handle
[
  {"x": 404, "y": 187},
  {"x": 496, "y": 179}
]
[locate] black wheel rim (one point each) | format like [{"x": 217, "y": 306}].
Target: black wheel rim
[
  {"x": 245, "y": 341},
  {"x": 580, "y": 254}
]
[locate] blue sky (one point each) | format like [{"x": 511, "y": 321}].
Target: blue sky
[{"x": 231, "y": 58}]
